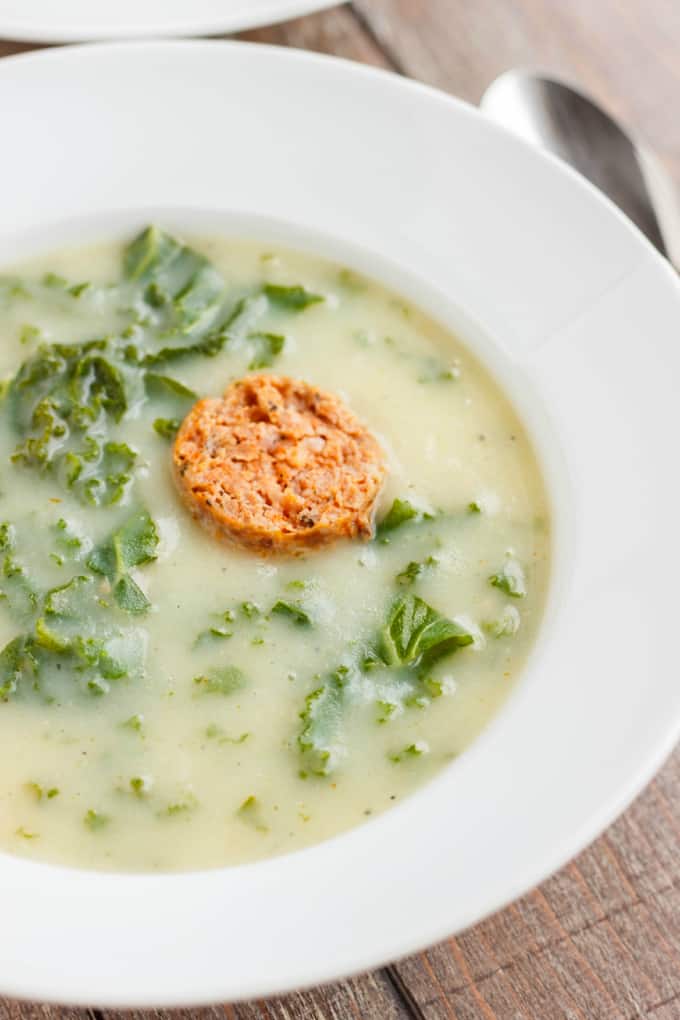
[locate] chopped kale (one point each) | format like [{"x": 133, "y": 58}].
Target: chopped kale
[
  {"x": 506, "y": 625},
  {"x": 166, "y": 428},
  {"x": 179, "y": 808},
  {"x": 415, "y": 570},
  {"x": 221, "y": 680},
  {"x": 412, "y": 751},
  {"x": 434, "y": 370},
  {"x": 182, "y": 287},
  {"x": 64, "y": 400},
  {"x": 134, "y": 723},
  {"x": 95, "y": 820},
  {"x": 401, "y": 512},
  {"x": 250, "y": 609},
  {"x": 510, "y": 578},
  {"x": 292, "y": 612},
  {"x": 294, "y": 299},
  {"x": 26, "y": 834},
  {"x": 132, "y": 545},
  {"x": 250, "y": 811},
  {"x": 40, "y": 792},
  {"x": 417, "y": 635},
  {"x": 140, "y": 786},
  {"x": 17, "y": 589},
  {"x": 215, "y": 732},
  {"x": 164, "y": 387},
  {"x": 267, "y": 347},
  {"x": 13, "y": 661},
  {"x": 322, "y": 717}
]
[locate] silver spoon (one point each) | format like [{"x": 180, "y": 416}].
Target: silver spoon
[{"x": 556, "y": 117}]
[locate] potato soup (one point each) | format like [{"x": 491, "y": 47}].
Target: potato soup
[{"x": 172, "y": 701}]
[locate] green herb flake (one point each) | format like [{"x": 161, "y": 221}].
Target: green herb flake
[
  {"x": 216, "y": 733},
  {"x": 250, "y": 811},
  {"x": 28, "y": 334},
  {"x": 386, "y": 711},
  {"x": 415, "y": 750},
  {"x": 250, "y": 609},
  {"x": 76, "y": 290},
  {"x": 140, "y": 786},
  {"x": 352, "y": 282},
  {"x": 434, "y": 371},
  {"x": 95, "y": 821},
  {"x": 134, "y": 723},
  {"x": 213, "y": 633},
  {"x": 506, "y": 625},
  {"x": 179, "y": 807},
  {"x": 26, "y": 833},
  {"x": 7, "y": 537},
  {"x": 98, "y": 687},
  {"x": 54, "y": 280}
]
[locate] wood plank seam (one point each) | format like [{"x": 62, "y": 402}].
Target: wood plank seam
[
  {"x": 499, "y": 971},
  {"x": 662, "y": 1005},
  {"x": 665, "y": 806},
  {"x": 364, "y": 25},
  {"x": 567, "y": 937},
  {"x": 403, "y": 992}
]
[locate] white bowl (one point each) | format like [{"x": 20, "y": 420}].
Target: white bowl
[
  {"x": 78, "y": 20},
  {"x": 580, "y": 319}
]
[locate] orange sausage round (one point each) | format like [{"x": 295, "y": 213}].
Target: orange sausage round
[{"x": 278, "y": 465}]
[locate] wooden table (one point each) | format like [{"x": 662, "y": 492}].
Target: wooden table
[{"x": 601, "y": 939}]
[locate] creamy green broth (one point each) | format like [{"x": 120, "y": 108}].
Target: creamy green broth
[{"x": 156, "y": 714}]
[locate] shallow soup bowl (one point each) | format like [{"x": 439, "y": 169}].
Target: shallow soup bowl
[{"x": 575, "y": 316}]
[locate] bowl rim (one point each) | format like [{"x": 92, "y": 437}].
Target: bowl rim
[{"x": 85, "y": 28}]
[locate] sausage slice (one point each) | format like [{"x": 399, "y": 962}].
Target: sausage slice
[{"x": 278, "y": 465}]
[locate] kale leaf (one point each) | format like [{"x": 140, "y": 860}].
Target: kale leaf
[
  {"x": 414, "y": 637},
  {"x": 293, "y": 612},
  {"x": 132, "y": 545},
  {"x": 510, "y": 578},
  {"x": 417, "y": 635},
  {"x": 401, "y": 512},
  {"x": 221, "y": 680},
  {"x": 322, "y": 718},
  {"x": 63, "y": 401},
  {"x": 267, "y": 347},
  {"x": 294, "y": 299}
]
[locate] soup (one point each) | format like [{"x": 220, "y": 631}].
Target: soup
[{"x": 171, "y": 699}]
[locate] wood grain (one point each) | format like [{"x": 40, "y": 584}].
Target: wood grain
[
  {"x": 601, "y": 939},
  {"x": 627, "y": 54}
]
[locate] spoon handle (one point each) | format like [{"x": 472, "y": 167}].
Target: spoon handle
[{"x": 553, "y": 116}]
